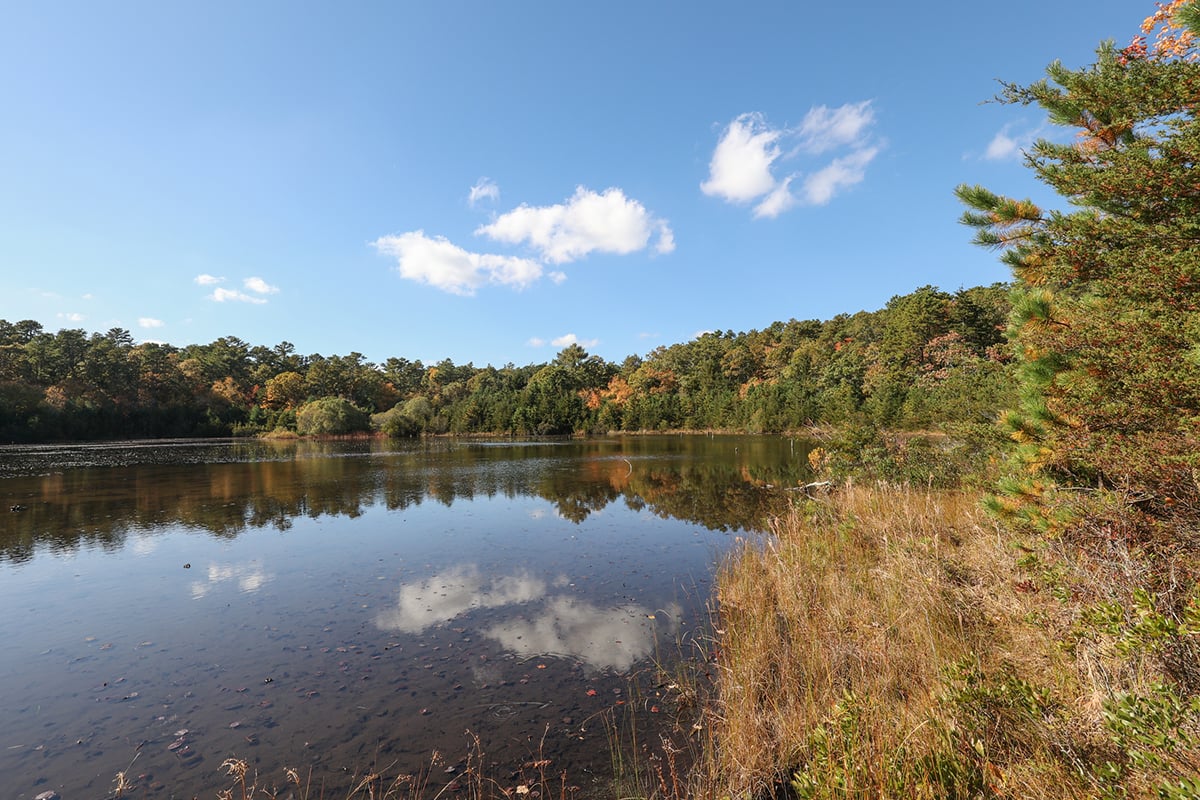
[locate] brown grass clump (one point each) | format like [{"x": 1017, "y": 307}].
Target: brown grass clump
[{"x": 874, "y": 646}]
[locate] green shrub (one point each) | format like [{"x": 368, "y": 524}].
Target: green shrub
[{"x": 330, "y": 416}]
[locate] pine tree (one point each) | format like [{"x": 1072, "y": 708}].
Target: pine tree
[{"x": 1106, "y": 319}]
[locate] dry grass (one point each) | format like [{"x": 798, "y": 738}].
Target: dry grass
[{"x": 843, "y": 634}]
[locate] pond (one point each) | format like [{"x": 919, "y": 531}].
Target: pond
[{"x": 344, "y": 605}]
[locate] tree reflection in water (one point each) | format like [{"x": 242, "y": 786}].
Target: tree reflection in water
[{"x": 722, "y": 483}]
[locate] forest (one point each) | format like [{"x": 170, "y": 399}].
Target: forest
[{"x": 929, "y": 357}]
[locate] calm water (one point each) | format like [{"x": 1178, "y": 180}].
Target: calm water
[{"x": 338, "y": 605}]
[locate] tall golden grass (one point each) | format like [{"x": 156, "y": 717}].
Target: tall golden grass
[{"x": 852, "y": 642}]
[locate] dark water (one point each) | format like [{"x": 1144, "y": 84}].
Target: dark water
[{"x": 343, "y": 605}]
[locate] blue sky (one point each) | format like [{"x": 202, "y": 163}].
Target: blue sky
[{"x": 490, "y": 181}]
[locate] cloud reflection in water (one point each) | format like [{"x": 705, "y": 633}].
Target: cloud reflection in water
[
  {"x": 441, "y": 598},
  {"x": 604, "y": 638},
  {"x": 250, "y": 578},
  {"x": 551, "y": 624}
]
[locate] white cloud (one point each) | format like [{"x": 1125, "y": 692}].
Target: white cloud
[
  {"x": 259, "y": 285},
  {"x": 446, "y": 266},
  {"x": 150, "y": 322},
  {"x": 740, "y": 169},
  {"x": 778, "y": 201},
  {"x": 226, "y": 295},
  {"x": 608, "y": 222},
  {"x": 568, "y": 339},
  {"x": 820, "y": 187},
  {"x": 750, "y": 151},
  {"x": 556, "y": 276},
  {"x": 71, "y": 316},
  {"x": 208, "y": 280},
  {"x": 536, "y": 341},
  {"x": 825, "y": 128},
  {"x": 666, "y": 238},
  {"x": 484, "y": 188},
  {"x": 1008, "y": 145}
]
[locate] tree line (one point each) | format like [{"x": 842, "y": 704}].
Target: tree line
[{"x": 928, "y": 357}]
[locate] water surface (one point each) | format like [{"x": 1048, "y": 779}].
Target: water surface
[{"x": 342, "y": 605}]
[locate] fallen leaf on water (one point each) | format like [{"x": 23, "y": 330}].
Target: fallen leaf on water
[{"x": 591, "y": 692}]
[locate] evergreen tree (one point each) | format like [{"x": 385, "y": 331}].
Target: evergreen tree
[{"x": 1106, "y": 318}]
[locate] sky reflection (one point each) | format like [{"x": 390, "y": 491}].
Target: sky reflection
[
  {"x": 248, "y": 577},
  {"x": 536, "y": 616},
  {"x": 603, "y": 638},
  {"x": 442, "y": 597}
]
